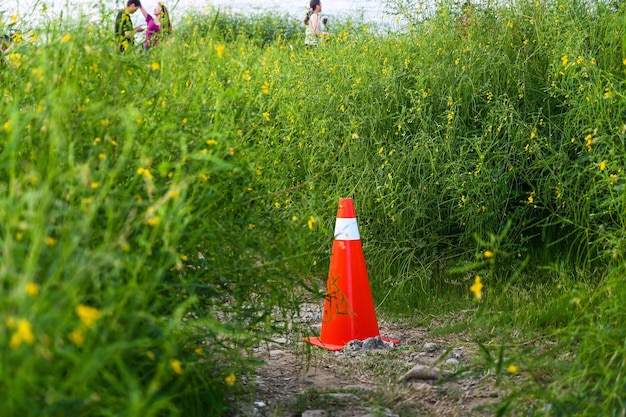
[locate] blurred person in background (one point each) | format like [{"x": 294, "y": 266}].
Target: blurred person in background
[
  {"x": 313, "y": 31},
  {"x": 158, "y": 27},
  {"x": 124, "y": 30}
]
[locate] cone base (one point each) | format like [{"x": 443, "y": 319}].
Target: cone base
[{"x": 316, "y": 341}]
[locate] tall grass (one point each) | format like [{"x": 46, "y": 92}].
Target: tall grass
[
  {"x": 137, "y": 270},
  {"x": 164, "y": 212}
]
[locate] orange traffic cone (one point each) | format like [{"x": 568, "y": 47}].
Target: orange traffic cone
[{"x": 349, "y": 307}]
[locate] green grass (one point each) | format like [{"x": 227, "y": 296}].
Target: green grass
[{"x": 201, "y": 180}]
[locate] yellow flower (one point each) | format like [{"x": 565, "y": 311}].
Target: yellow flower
[
  {"x": 155, "y": 66},
  {"x": 564, "y": 60},
  {"x": 230, "y": 380},
  {"x": 265, "y": 88},
  {"x": 511, "y": 369},
  {"x": 602, "y": 165},
  {"x": 588, "y": 142},
  {"x": 23, "y": 334},
  {"x": 488, "y": 254},
  {"x": 176, "y": 366},
  {"x": 88, "y": 315},
  {"x": 145, "y": 172},
  {"x": 219, "y": 49},
  {"x": 66, "y": 38},
  {"x": 266, "y": 116},
  {"x": 153, "y": 221},
  {"x": 311, "y": 222},
  {"x": 477, "y": 288},
  {"x": 32, "y": 289},
  {"x": 77, "y": 336},
  {"x": 39, "y": 73}
]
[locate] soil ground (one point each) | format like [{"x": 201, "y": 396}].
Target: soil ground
[{"x": 296, "y": 380}]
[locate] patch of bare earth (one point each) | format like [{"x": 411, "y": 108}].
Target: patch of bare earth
[{"x": 422, "y": 376}]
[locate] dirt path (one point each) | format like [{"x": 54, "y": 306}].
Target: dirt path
[{"x": 309, "y": 382}]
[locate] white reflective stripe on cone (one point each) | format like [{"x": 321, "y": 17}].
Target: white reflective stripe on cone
[{"x": 346, "y": 229}]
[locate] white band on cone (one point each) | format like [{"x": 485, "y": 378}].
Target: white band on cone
[{"x": 346, "y": 229}]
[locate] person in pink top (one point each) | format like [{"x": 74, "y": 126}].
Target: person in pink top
[{"x": 157, "y": 26}]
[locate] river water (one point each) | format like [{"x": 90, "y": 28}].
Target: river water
[{"x": 36, "y": 10}]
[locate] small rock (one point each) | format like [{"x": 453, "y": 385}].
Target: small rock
[
  {"x": 457, "y": 353},
  {"x": 259, "y": 409},
  {"x": 452, "y": 362},
  {"x": 423, "y": 358},
  {"x": 425, "y": 373},
  {"x": 354, "y": 345},
  {"x": 277, "y": 353},
  {"x": 373, "y": 343},
  {"x": 342, "y": 396},
  {"x": 315, "y": 413},
  {"x": 430, "y": 347}
]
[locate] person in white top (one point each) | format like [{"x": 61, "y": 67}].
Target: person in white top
[{"x": 313, "y": 25}]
